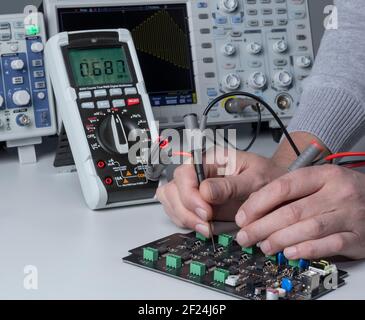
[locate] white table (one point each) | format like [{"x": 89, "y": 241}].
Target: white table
[{"x": 44, "y": 222}]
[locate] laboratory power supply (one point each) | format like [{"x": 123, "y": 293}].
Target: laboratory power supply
[
  {"x": 192, "y": 51},
  {"x": 102, "y": 100},
  {"x": 26, "y": 105}
]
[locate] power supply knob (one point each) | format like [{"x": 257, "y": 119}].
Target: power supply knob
[
  {"x": 17, "y": 64},
  {"x": 232, "y": 81},
  {"x": 283, "y": 79},
  {"x": 254, "y": 48},
  {"x": 257, "y": 80},
  {"x": 280, "y": 46},
  {"x": 229, "y": 49},
  {"x": 37, "y": 47},
  {"x": 228, "y": 5},
  {"x": 21, "y": 98},
  {"x": 1, "y": 101},
  {"x": 304, "y": 62},
  {"x": 23, "y": 120}
]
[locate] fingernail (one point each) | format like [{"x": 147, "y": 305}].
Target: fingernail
[
  {"x": 202, "y": 214},
  {"x": 203, "y": 229},
  {"x": 242, "y": 238},
  {"x": 265, "y": 247},
  {"x": 241, "y": 218},
  {"x": 214, "y": 190},
  {"x": 290, "y": 252}
]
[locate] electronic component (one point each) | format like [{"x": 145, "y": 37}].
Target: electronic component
[
  {"x": 150, "y": 254},
  {"x": 220, "y": 275},
  {"x": 233, "y": 272},
  {"x": 26, "y": 106},
  {"x": 103, "y": 102},
  {"x": 197, "y": 268},
  {"x": 173, "y": 261},
  {"x": 249, "y": 250},
  {"x": 264, "y": 47},
  {"x": 225, "y": 240},
  {"x": 201, "y": 237}
]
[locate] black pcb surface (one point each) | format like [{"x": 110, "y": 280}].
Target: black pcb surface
[{"x": 255, "y": 274}]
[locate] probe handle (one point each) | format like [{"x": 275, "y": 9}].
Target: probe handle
[{"x": 307, "y": 156}]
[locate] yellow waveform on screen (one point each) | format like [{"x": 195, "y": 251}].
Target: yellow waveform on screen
[{"x": 161, "y": 37}]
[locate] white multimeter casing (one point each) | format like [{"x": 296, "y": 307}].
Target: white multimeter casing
[{"x": 129, "y": 184}]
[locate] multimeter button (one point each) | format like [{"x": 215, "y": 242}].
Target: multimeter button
[
  {"x": 85, "y": 95},
  {"x": 87, "y": 105},
  {"x": 103, "y": 104},
  {"x": 119, "y": 103},
  {"x": 133, "y": 101},
  {"x": 130, "y": 91},
  {"x": 116, "y": 92},
  {"x": 108, "y": 181},
  {"x": 100, "y": 93}
]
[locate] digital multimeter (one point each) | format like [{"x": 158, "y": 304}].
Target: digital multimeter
[{"x": 102, "y": 98}]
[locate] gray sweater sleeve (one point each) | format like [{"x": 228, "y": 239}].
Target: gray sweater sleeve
[{"x": 332, "y": 105}]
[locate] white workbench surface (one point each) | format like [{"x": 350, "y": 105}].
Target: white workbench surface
[{"x": 44, "y": 222}]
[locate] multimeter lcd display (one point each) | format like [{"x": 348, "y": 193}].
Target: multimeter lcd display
[{"x": 93, "y": 67}]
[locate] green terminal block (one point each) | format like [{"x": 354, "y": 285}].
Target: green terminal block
[
  {"x": 197, "y": 268},
  {"x": 272, "y": 258},
  {"x": 32, "y": 30},
  {"x": 150, "y": 254},
  {"x": 220, "y": 275},
  {"x": 225, "y": 240},
  {"x": 173, "y": 261},
  {"x": 293, "y": 263},
  {"x": 201, "y": 237},
  {"x": 249, "y": 250}
]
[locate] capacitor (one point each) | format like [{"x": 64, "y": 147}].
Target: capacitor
[
  {"x": 303, "y": 264},
  {"x": 281, "y": 259},
  {"x": 282, "y": 292},
  {"x": 287, "y": 284},
  {"x": 272, "y": 294}
]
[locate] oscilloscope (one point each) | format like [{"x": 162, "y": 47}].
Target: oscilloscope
[{"x": 191, "y": 51}]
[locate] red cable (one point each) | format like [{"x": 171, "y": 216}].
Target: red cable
[
  {"x": 344, "y": 155},
  {"x": 355, "y": 165}
]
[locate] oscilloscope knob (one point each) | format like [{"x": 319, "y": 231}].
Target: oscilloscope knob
[
  {"x": 228, "y": 5},
  {"x": 232, "y": 81},
  {"x": 17, "y": 64},
  {"x": 303, "y": 62},
  {"x": 257, "y": 80},
  {"x": 254, "y": 48},
  {"x": 229, "y": 49},
  {"x": 21, "y": 98},
  {"x": 112, "y": 135},
  {"x": 283, "y": 79},
  {"x": 280, "y": 46}
]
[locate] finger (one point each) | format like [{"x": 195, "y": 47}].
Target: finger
[
  {"x": 188, "y": 189},
  {"x": 292, "y": 186},
  {"x": 335, "y": 244},
  {"x": 316, "y": 227},
  {"x": 284, "y": 217},
  {"x": 220, "y": 190},
  {"x": 178, "y": 213}
]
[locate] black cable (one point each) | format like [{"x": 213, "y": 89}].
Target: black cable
[
  {"x": 346, "y": 163},
  {"x": 255, "y": 135},
  {"x": 260, "y": 101}
]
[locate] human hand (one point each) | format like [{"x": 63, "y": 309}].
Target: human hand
[
  {"x": 309, "y": 213},
  {"x": 220, "y": 195}
]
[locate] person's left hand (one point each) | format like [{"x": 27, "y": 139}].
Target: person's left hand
[{"x": 310, "y": 213}]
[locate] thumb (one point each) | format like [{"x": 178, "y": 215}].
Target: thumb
[{"x": 220, "y": 190}]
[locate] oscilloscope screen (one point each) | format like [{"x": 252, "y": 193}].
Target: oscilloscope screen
[{"x": 161, "y": 36}]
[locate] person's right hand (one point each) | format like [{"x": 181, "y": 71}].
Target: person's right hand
[{"x": 230, "y": 180}]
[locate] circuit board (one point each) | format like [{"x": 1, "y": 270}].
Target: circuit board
[{"x": 244, "y": 273}]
